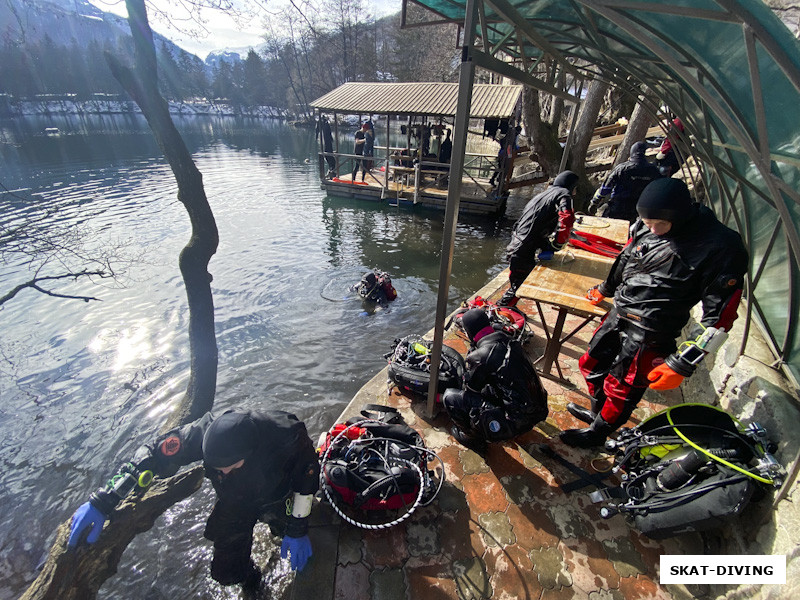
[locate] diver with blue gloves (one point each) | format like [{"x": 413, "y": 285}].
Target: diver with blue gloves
[
  {"x": 263, "y": 467},
  {"x": 544, "y": 227}
]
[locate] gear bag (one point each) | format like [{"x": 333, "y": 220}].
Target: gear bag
[
  {"x": 691, "y": 467},
  {"x": 410, "y": 365},
  {"x": 509, "y": 319},
  {"x": 377, "y": 465}
]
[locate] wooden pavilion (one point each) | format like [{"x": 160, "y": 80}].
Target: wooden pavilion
[{"x": 411, "y": 173}]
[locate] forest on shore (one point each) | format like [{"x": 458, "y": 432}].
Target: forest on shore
[{"x": 301, "y": 59}]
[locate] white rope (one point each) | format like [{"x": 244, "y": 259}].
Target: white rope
[{"x": 423, "y": 485}]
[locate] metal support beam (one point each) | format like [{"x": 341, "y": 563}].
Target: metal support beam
[
  {"x": 505, "y": 69},
  {"x": 465, "y": 80}
]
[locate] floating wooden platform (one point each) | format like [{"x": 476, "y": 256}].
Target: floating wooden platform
[{"x": 477, "y": 196}]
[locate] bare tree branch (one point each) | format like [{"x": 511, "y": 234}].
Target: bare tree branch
[
  {"x": 55, "y": 250},
  {"x": 34, "y": 284}
]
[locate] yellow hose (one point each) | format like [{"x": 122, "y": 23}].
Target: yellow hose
[{"x": 719, "y": 459}]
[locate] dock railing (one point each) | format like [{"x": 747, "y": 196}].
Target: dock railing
[{"x": 399, "y": 168}]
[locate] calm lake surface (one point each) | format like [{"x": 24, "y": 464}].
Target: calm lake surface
[{"x": 84, "y": 384}]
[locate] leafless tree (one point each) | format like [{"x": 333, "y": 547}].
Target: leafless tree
[{"x": 79, "y": 573}]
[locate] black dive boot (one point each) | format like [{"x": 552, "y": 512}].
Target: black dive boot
[
  {"x": 252, "y": 586},
  {"x": 594, "y": 435},
  {"x": 510, "y": 297},
  {"x": 475, "y": 444},
  {"x": 581, "y": 413},
  {"x": 584, "y": 414}
]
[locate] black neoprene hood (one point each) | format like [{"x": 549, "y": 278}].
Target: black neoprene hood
[
  {"x": 230, "y": 438},
  {"x": 566, "y": 179},
  {"x": 666, "y": 199}
]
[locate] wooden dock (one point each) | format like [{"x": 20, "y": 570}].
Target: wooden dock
[{"x": 424, "y": 187}]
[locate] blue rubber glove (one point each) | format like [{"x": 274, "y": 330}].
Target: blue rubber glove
[
  {"x": 87, "y": 515},
  {"x": 299, "y": 550},
  {"x": 545, "y": 255}
]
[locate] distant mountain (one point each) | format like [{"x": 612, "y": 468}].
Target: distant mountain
[
  {"x": 64, "y": 21},
  {"x": 230, "y": 56}
]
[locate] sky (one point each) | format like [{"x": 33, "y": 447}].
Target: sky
[{"x": 223, "y": 31}]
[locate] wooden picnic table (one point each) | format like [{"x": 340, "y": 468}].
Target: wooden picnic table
[{"x": 562, "y": 283}]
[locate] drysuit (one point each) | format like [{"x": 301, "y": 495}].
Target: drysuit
[
  {"x": 624, "y": 185},
  {"x": 655, "y": 282},
  {"x": 502, "y": 396},
  {"x": 258, "y": 464},
  {"x": 545, "y": 224}
]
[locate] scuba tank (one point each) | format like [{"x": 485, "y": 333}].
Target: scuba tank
[{"x": 410, "y": 365}]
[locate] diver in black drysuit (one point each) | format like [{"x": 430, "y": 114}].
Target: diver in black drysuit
[
  {"x": 502, "y": 396},
  {"x": 545, "y": 224},
  {"x": 624, "y": 185},
  {"x": 258, "y": 462},
  {"x": 678, "y": 254},
  {"x": 376, "y": 290}
]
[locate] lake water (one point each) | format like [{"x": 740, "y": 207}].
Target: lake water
[{"x": 84, "y": 384}]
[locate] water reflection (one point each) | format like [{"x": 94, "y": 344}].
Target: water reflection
[{"x": 84, "y": 384}]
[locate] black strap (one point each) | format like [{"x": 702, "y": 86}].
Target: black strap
[
  {"x": 585, "y": 478},
  {"x": 380, "y": 412}
]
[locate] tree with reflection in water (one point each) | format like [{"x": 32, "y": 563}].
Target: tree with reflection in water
[{"x": 78, "y": 574}]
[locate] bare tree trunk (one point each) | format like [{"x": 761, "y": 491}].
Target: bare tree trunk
[
  {"x": 638, "y": 124},
  {"x": 142, "y": 85},
  {"x": 542, "y": 136},
  {"x": 78, "y": 574},
  {"x": 584, "y": 130}
]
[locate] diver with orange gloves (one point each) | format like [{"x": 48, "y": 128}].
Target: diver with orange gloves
[
  {"x": 263, "y": 467},
  {"x": 678, "y": 254}
]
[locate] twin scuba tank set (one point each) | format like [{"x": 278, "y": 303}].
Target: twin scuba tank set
[
  {"x": 691, "y": 467},
  {"x": 374, "y": 469},
  {"x": 410, "y": 366}
]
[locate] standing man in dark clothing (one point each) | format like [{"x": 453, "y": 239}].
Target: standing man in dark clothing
[
  {"x": 358, "y": 150},
  {"x": 324, "y": 129},
  {"x": 263, "y": 467},
  {"x": 445, "y": 153},
  {"x": 369, "y": 147},
  {"x": 545, "y": 224},
  {"x": 446, "y": 149},
  {"x": 624, "y": 185},
  {"x": 678, "y": 255},
  {"x": 502, "y": 396}
]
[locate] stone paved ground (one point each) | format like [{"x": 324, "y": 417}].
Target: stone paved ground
[{"x": 502, "y": 527}]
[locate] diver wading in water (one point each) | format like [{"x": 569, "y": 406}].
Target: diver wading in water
[
  {"x": 263, "y": 467},
  {"x": 376, "y": 290}
]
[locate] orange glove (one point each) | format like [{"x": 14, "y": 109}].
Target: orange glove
[
  {"x": 594, "y": 296},
  {"x": 663, "y": 378}
]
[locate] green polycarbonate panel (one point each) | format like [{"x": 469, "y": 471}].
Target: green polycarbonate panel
[{"x": 693, "y": 55}]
